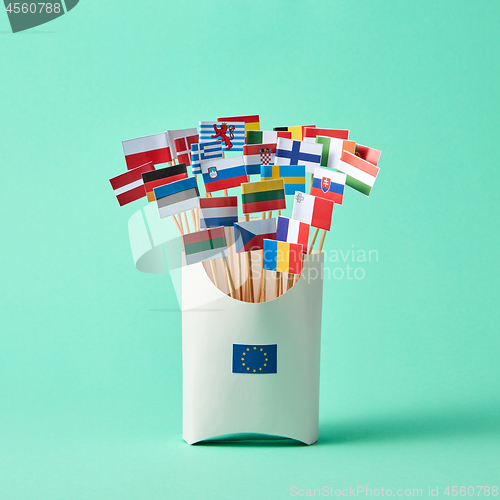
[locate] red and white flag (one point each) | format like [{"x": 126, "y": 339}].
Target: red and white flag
[
  {"x": 317, "y": 212},
  {"x": 181, "y": 141},
  {"x": 150, "y": 148},
  {"x": 129, "y": 186}
]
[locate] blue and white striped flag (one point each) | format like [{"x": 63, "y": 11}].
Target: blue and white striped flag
[
  {"x": 204, "y": 151},
  {"x": 230, "y": 134}
]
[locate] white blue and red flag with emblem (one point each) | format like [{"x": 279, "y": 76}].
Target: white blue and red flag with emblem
[
  {"x": 328, "y": 184},
  {"x": 225, "y": 173}
]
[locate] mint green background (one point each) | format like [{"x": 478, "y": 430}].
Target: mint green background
[{"x": 90, "y": 358}]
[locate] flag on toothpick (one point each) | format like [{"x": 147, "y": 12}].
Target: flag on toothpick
[
  {"x": 361, "y": 174},
  {"x": 266, "y": 136},
  {"x": 282, "y": 257},
  {"x": 297, "y": 131},
  {"x": 294, "y": 176},
  {"x": 310, "y": 134},
  {"x": 230, "y": 134},
  {"x": 317, "y": 212},
  {"x": 293, "y": 231},
  {"x": 256, "y": 155},
  {"x": 176, "y": 197},
  {"x": 150, "y": 148},
  {"x": 332, "y": 150},
  {"x": 224, "y": 173},
  {"x": 205, "y": 245},
  {"x": 215, "y": 212},
  {"x": 290, "y": 152},
  {"x": 129, "y": 187},
  {"x": 250, "y": 235},
  {"x": 368, "y": 154},
  {"x": 182, "y": 140},
  {"x": 204, "y": 151},
  {"x": 251, "y": 122},
  {"x": 264, "y": 196},
  {"x": 161, "y": 177},
  {"x": 328, "y": 184}
]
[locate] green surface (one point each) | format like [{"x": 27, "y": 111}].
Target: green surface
[{"x": 90, "y": 364}]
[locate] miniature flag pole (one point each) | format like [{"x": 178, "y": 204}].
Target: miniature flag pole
[
  {"x": 186, "y": 222},
  {"x": 212, "y": 262},
  {"x": 229, "y": 278},
  {"x": 249, "y": 268},
  {"x": 321, "y": 241},
  {"x": 313, "y": 241},
  {"x": 259, "y": 296},
  {"x": 262, "y": 291},
  {"x": 177, "y": 225}
]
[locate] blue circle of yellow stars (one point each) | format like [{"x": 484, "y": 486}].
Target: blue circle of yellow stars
[{"x": 257, "y": 368}]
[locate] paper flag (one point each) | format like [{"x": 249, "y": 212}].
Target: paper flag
[
  {"x": 294, "y": 176},
  {"x": 289, "y": 152},
  {"x": 293, "y": 231},
  {"x": 328, "y": 184},
  {"x": 256, "y": 155},
  {"x": 361, "y": 174},
  {"x": 282, "y": 257},
  {"x": 230, "y": 134},
  {"x": 297, "y": 131},
  {"x": 266, "y": 136},
  {"x": 216, "y": 212},
  {"x": 129, "y": 187},
  {"x": 161, "y": 177},
  {"x": 224, "y": 173},
  {"x": 177, "y": 197},
  {"x": 204, "y": 151},
  {"x": 250, "y": 235},
  {"x": 205, "y": 245},
  {"x": 150, "y": 148},
  {"x": 264, "y": 196},
  {"x": 316, "y": 212}
]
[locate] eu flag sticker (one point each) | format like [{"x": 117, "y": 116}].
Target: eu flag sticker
[{"x": 250, "y": 358}]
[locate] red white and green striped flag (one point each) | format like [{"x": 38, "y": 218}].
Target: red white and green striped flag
[
  {"x": 205, "y": 245},
  {"x": 361, "y": 174}
]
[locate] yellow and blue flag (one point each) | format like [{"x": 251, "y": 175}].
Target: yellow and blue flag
[
  {"x": 255, "y": 358},
  {"x": 294, "y": 176}
]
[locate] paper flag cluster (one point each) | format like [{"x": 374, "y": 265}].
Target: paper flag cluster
[{"x": 312, "y": 164}]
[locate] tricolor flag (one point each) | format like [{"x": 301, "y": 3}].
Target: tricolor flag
[
  {"x": 251, "y": 122},
  {"x": 266, "y": 136},
  {"x": 151, "y": 148},
  {"x": 255, "y": 358},
  {"x": 310, "y": 134},
  {"x": 290, "y": 152},
  {"x": 294, "y": 176},
  {"x": 264, "y": 196},
  {"x": 224, "y": 173},
  {"x": 328, "y": 184},
  {"x": 250, "y": 235},
  {"x": 177, "y": 197},
  {"x": 161, "y": 177},
  {"x": 293, "y": 231},
  {"x": 256, "y": 155},
  {"x": 230, "y": 134},
  {"x": 317, "y": 212},
  {"x": 282, "y": 257},
  {"x": 368, "y": 154},
  {"x": 361, "y": 174},
  {"x": 332, "y": 150},
  {"x": 129, "y": 187},
  {"x": 182, "y": 140},
  {"x": 297, "y": 131},
  {"x": 215, "y": 212},
  {"x": 204, "y": 151},
  {"x": 205, "y": 245}
]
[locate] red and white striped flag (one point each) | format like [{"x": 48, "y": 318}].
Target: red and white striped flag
[
  {"x": 129, "y": 186},
  {"x": 150, "y": 148}
]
